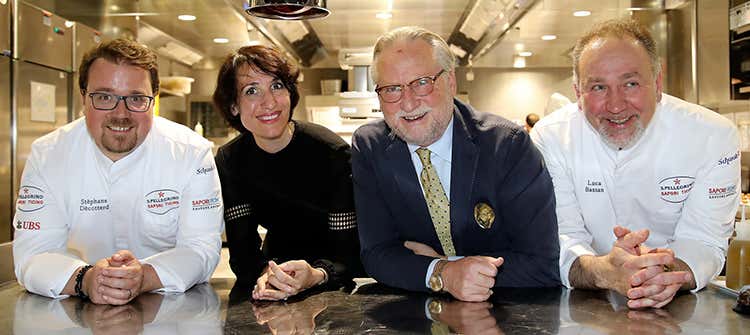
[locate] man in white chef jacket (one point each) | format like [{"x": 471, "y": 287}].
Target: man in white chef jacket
[
  {"x": 118, "y": 202},
  {"x": 646, "y": 184}
]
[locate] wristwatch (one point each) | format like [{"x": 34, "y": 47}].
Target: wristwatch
[
  {"x": 436, "y": 278},
  {"x": 435, "y": 307}
]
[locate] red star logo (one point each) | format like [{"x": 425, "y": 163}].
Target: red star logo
[
  {"x": 161, "y": 194},
  {"x": 677, "y": 181}
]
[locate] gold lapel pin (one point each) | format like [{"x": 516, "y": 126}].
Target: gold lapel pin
[{"x": 484, "y": 215}]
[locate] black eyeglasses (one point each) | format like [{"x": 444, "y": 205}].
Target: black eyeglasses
[
  {"x": 134, "y": 103},
  {"x": 420, "y": 86}
]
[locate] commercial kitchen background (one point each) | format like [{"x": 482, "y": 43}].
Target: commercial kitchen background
[{"x": 509, "y": 62}]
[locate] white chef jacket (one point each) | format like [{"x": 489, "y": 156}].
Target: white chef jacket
[
  {"x": 681, "y": 181},
  {"x": 75, "y": 206}
]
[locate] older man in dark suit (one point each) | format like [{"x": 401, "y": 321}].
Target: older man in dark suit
[{"x": 447, "y": 198}]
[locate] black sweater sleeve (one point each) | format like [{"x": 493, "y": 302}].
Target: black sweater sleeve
[
  {"x": 241, "y": 225},
  {"x": 343, "y": 240}
]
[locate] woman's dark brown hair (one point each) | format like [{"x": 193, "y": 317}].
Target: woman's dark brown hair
[{"x": 262, "y": 59}]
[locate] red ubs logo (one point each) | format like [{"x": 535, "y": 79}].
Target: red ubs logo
[{"x": 28, "y": 225}]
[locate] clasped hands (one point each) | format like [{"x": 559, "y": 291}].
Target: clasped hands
[
  {"x": 468, "y": 317},
  {"x": 470, "y": 278},
  {"x": 290, "y": 319},
  {"x": 642, "y": 274},
  {"x": 114, "y": 280},
  {"x": 280, "y": 281}
]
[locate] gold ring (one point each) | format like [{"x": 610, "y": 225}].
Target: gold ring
[
  {"x": 130, "y": 294},
  {"x": 666, "y": 268}
]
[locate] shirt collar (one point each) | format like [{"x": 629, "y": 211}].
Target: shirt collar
[{"x": 442, "y": 147}]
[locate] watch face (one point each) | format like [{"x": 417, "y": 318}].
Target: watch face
[
  {"x": 436, "y": 283},
  {"x": 435, "y": 307}
]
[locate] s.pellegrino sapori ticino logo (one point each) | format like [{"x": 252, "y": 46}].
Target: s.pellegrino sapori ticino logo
[
  {"x": 675, "y": 189},
  {"x": 160, "y": 202},
  {"x": 30, "y": 199}
]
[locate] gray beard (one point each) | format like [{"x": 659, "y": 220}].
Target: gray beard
[
  {"x": 432, "y": 134},
  {"x": 623, "y": 144}
]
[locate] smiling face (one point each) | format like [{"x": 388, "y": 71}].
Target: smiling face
[
  {"x": 419, "y": 120},
  {"x": 117, "y": 132},
  {"x": 617, "y": 89},
  {"x": 263, "y": 104}
]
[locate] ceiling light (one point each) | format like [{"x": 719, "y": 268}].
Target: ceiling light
[
  {"x": 549, "y": 37},
  {"x": 519, "y": 47},
  {"x": 186, "y": 17},
  {"x": 287, "y": 9},
  {"x": 114, "y": 8},
  {"x": 384, "y": 15},
  {"x": 525, "y": 53},
  {"x": 69, "y": 24},
  {"x": 519, "y": 62},
  {"x": 581, "y": 13},
  {"x": 221, "y": 40}
]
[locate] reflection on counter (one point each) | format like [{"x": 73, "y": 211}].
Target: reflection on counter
[
  {"x": 194, "y": 312},
  {"x": 372, "y": 308}
]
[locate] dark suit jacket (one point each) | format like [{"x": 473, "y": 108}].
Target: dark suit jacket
[{"x": 494, "y": 162}]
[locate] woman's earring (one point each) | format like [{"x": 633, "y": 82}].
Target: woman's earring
[{"x": 235, "y": 111}]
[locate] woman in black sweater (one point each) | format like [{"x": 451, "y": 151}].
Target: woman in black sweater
[{"x": 291, "y": 177}]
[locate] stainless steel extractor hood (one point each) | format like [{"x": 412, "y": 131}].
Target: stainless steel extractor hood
[{"x": 288, "y": 9}]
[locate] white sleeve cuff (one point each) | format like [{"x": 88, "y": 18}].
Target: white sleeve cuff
[
  {"x": 568, "y": 257},
  {"x": 432, "y": 267},
  {"x": 704, "y": 261},
  {"x": 47, "y": 274}
]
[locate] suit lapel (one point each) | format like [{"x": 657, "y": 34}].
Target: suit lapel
[
  {"x": 407, "y": 180},
  {"x": 463, "y": 170}
]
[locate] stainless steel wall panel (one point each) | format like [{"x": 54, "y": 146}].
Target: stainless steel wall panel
[
  {"x": 43, "y": 38},
  {"x": 713, "y": 52},
  {"x": 681, "y": 61},
  {"x": 5, "y": 27},
  {"x": 86, "y": 38},
  {"x": 6, "y": 205},
  {"x": 27, "y": 130}
]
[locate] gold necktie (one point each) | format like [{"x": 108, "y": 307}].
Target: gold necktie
[{"x": 437, "y": 202}]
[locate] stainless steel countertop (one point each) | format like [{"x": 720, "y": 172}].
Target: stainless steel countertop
[{"x": 208, "y": 309}]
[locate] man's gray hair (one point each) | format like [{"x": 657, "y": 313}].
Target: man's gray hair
[
  {"x": 441, "y": 52},
  {"x": 620, "y": 28}
]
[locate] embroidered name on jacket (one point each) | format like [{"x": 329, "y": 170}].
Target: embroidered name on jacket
[
  {"x": 675, "y": 189},
  {"x": 94, "y": 205},
  {"x": 162, "y": 201},
  {"x": 593, "y": 186}
]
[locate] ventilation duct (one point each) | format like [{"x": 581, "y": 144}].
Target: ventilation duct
[
  {"x": 288, "y": 9},
  {"x": 483, "y": 24}
]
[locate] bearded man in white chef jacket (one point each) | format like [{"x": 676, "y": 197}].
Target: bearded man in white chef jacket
[
  {"x": 118, "y": 202},
  {"x": 646, "y": 184}
]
